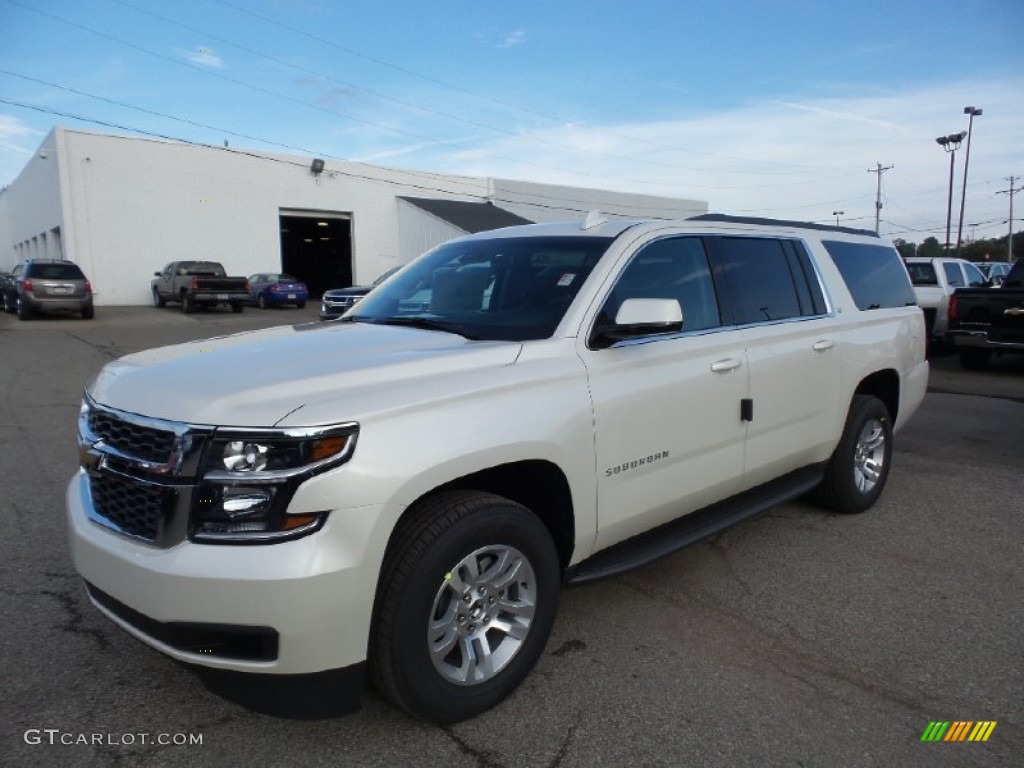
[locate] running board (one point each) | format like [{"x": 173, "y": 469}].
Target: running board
[{"x": 689, "y": 529}]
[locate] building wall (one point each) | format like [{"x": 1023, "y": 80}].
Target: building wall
[
  {"x": 122, "y": 207},
  {"x": 419, "y": 231},
  {"x": 33, "y": 208}
]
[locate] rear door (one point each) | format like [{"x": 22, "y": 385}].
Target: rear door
[{"x": 774, "y": 295}]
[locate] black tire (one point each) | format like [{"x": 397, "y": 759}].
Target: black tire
[
  {"x": 158, "y": 300},
  {"x": 973, "y": 359},
  {"x": 421, "y": 577},
  {"x": 854, "y": 479},
  {"x": 261, "y": 301},
  {"x": 88, "y": 312},
  {"x": 237, "y": 307},
  {"x": 188, "y": 304},
  {"x": 23, "y": 309},
  {"x": 300, "y": 304}
]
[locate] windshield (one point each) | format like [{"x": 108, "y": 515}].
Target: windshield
[{"x": 512, "y": 289}]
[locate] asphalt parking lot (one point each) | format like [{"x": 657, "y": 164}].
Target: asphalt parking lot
[{"x": 801, "y": 638}]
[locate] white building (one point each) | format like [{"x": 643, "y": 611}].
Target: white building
[{"x": 122, "y": 207}]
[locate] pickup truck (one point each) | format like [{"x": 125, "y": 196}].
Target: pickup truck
[
  {"x": 934, "y": 281},
  {"x": 403, "y": 493},
  {"x": 983, "y": 321},
  {"x": 198, "y": 284}
]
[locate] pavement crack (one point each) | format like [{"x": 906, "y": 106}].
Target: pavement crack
[
  {"x": 109, "y": 351},
  {"x": 563, "y": 748},
  {"x": 484, "y": 758},
  {"x": 75, "y": 620}
]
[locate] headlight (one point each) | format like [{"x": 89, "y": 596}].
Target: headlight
[{"x": 250, "y": 475}]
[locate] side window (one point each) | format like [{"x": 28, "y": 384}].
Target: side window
[
  {"x": 953, "y": 275},
  {"x": 873, "y": 274},
  {"x": 761, "y": 279},
  {"x": 975, "y": 279},
  {"x": 673, "y": 268}
]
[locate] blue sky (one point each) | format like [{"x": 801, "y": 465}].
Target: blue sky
[{"x": 764, "y": 109}]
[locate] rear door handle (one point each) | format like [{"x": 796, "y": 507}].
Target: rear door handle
[
  {"x": 724, "y": 366},
  {"x": 821, "y": 346}
]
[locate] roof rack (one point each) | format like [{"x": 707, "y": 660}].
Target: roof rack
[{"x": 781, "y": 223}]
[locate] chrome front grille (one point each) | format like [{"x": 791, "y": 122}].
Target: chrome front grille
[
  {"x": 143, "y": 442},
  {"x": 141, "y": 472}
]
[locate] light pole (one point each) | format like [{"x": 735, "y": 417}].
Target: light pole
[
  {"x": 837, "y": 214},
  {"x": 951, "y": 144},
  {"x": 972, "y": 111}
]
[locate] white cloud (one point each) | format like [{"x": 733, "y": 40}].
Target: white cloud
[
  {"x": 512, "y": 39},
  {"x": 13, "y": 133},
  {"x": 205, "y": 57},
  {"x": 799, "y": 158}
]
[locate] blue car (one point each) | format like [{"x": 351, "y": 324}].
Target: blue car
[{"x": 274, "y": 289}]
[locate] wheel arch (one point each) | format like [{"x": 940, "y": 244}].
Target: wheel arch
[
  {"x": 885, "y": 385},
  {"x": 538, "y": 485}
]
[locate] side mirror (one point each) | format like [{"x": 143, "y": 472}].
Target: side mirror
[{"x": 640, "y": 317}]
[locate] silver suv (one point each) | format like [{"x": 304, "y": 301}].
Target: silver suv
[{"x": 42, "y": 285}]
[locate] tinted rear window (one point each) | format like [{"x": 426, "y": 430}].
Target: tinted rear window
[
  {"x": 874, "y": 274},
  {"x": 921, "y": 273},
  {"x": 55, "y": 271}
]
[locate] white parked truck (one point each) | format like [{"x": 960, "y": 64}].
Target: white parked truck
[{"x": 403, "y": 491}]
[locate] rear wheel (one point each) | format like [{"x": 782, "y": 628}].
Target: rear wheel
[
  {"x": 188, "y": 304},
  {"x": 973, "y": 359},
  {"x": 468, "y": 594},
  {"x": 859, "y": 467},
  {"x": 237, "y": 306},
  {"x": 22, "y": 308},
  {"x": 300, "y": 304},
  {"x": 88, "y": 312}
]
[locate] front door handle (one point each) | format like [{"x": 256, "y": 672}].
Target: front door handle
[
  {"x": 821, "y": 346},
  {"x": 724, "y": 366}
]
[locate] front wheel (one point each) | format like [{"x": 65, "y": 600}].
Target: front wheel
[
  {"x": 158, "y": 300},
  {"x": 467, "y": 597},
  {"x": 261, "y": 301},
  {"x": 859, "y": 467}
]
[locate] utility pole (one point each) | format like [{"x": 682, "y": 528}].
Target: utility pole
[
  {"x": 878, "y": 194},
  {"x": 1010, "y": 192}
]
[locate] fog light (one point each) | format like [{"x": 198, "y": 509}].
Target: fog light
[{"x": 246, "y": 502}]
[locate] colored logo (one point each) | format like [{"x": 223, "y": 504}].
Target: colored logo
[{"x": 958, "y": 730}]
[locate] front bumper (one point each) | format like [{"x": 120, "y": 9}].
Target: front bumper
[{"x": 314, "y": 595}]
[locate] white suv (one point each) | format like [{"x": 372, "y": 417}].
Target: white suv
[{"x": 405, "y": 490}]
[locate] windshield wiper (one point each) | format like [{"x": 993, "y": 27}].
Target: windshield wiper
[{"x": 425, "y": 323}]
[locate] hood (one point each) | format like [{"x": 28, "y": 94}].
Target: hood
[
  {"x": 355, "y": 290},
  {"x": 260, "y": 377}
]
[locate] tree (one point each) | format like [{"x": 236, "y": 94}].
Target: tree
[
  {"x": 906, "y": 250},
  {"x": 931, "y": 249}
]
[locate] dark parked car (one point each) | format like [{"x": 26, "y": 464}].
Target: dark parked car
[
  {"x": 46, "y": 285},
  {"x": 995, "y": 271},
  {"x": 338, "y": 301},
  {"x": 273, "y": 289}
]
